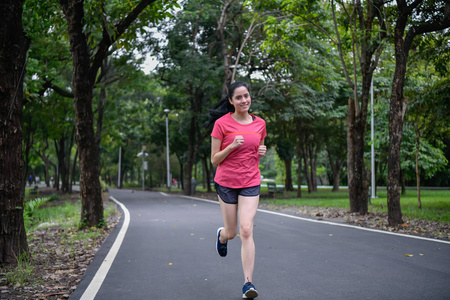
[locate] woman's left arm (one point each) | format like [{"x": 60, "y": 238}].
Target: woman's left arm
[{"x": 262, "y": 149}]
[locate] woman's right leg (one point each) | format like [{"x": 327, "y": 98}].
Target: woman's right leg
[{"x": 230, "y": 221}]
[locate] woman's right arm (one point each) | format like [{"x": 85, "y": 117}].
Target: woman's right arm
[{"x": 218, "y": 156}]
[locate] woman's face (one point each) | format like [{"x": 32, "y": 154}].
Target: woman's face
[{"x": 241, "y": 99}]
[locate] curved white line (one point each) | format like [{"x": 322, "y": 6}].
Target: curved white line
[
  {"x": 97, "y": 281},
  {"x": 333, "y": 223}
]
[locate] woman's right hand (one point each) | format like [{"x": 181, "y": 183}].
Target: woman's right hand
[{"x": 238, "y": 141}]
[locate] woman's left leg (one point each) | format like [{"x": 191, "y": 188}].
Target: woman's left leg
[{"x": 247, "y": 210}]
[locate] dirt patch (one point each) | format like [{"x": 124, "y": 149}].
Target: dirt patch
[{"x": 58, "y": 260}]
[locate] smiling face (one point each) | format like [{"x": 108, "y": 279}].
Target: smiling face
[{"x": 241, "y": 100}]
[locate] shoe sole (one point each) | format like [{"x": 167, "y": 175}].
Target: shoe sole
[{"x": 250, "y": 294}]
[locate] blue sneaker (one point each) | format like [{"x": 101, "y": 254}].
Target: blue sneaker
[
  {"x": 249, "y": 291},
  {"x": 221, "y": 248}
]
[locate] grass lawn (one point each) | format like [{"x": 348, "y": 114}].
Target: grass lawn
[{"x": 435, "y": 203}]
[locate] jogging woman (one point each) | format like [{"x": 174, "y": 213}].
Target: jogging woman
[{"x": 237, "y": 144}]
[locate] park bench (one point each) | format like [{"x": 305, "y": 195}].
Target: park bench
[
  {"x": 274, "y": 190},
  {"x": 34, "y": 191}
]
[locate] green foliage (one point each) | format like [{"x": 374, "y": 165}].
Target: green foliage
[
  {"x": 103, "y": 185},
  {"x": 31, "y": 206}
]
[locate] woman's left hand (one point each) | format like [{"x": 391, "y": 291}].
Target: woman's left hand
[{"x": 262, "y": 150}]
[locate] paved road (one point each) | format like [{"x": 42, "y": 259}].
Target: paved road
[{"x": 168, "y": 253}]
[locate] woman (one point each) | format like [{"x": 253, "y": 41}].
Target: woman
[{"x": 237, "y": 144}]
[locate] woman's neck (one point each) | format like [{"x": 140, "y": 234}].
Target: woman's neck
[{"x": 243, "y": 118}]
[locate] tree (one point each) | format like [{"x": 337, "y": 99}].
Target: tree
[
  {"x": 13, "y": 50},
  {"x": 413, "y": 19},
  {"x": 357, "y": 31},
  {"x": 89, "y": 49}
]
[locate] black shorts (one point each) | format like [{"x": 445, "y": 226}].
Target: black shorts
[{"x": 230, "y": 196}]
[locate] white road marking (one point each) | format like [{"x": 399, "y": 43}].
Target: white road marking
[
  {"x": 331, "y": 223},
  {"x": 97, "y": 281}
]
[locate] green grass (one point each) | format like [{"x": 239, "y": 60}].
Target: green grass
[
  {"x": 65, "y": 215},
  {"x": 20, "y": 274},
  {"x": 435, "y": 203}
]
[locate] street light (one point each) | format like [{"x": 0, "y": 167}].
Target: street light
[
  {"x": 120, "y": 164},
  {"x": 143, "y": 154},
  {"x": 166, "y": 111},
  {"x": 372, "y": 146}
]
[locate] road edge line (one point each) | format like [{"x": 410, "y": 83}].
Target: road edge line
[
  {"x": 330, "y": 223},
  {"x": 96, "y": 282}
]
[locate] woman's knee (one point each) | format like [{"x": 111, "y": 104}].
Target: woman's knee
[{"x": 246, "y": 231}]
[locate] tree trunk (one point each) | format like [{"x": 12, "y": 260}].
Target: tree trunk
[
  {"x": 46, "y": 161},
  {"x": 63, "y": 168},
  {"x": 396, "y": 125},
  {"x": 313, "y": 168},
  {"x": 336, "y": 167},
  {"x": 13, "y": 49},
  {"x": 207, "y": 175},
  {"x": 351, "y": 155},
  {"x": 90, "y": 189},
  {"x": 181, "y": 174},
  {"x": 360, "y": 174},
  {"x": 306, "y": 171},
  {"x": 299, "y": 175},
  {"x": 288, "y": 181}
]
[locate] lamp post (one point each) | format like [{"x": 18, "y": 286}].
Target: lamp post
[
  {"x": 166, "y": 111},
  {"x": 120, "y": 164},
  {"x": 372, "y": 146},
  {"x": 143, "y": 154}
]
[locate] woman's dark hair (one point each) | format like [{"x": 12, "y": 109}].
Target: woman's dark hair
[{"x": 224, "y": 106}]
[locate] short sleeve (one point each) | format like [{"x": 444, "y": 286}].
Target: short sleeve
[
  {"x": 263, "y": 131},
  {"x": 217, "y": 131}
]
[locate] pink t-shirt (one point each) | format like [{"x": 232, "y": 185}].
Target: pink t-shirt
[{"x": 241, "y": 167}]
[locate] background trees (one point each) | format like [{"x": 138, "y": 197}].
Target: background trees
[{"x": 85, "y": 96}]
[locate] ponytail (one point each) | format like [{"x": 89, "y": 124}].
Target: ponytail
[{"x": 224, "y": 106}]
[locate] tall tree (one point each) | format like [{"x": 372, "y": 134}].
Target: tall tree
[
  {"x": 357, "y": 30},
  {"x": 413, "y": 19},
  {"x": 88, "y": 54},
  {"x": 366, "y": 30},
  {"x": 13, "y": 50}
]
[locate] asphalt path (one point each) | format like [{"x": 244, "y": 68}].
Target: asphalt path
[{"x": 168, "y": 252}]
